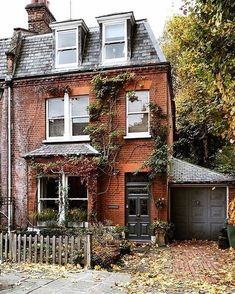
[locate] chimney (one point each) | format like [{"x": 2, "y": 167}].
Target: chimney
[{"x": 39, "y": 16}]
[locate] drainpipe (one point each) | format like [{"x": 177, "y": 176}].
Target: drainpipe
[{"x": 8, "y": 81}]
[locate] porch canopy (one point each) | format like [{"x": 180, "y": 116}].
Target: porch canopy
[{"x": 49, "y": 150}]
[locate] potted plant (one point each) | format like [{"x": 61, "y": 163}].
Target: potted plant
[
  {"x": 47, "y": 217},
  {"x": 231, "y": 223},
  {"x": 159, "y": 229},
  {"x": 159, "y": 203},
  {"x": 119, "y": 232},
  {"x": 76, "y": 217}
]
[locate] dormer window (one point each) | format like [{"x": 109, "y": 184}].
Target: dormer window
[
  {"x": 70, "y": 37},
  {"x": 67, "y": 47},
  {"x": 114, "y": 41},
  {"x": 116, "y": 32}
]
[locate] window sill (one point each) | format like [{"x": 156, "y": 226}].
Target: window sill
[
  {"x": 67, "y": 140},
  {"x": 137, "y": 137}
]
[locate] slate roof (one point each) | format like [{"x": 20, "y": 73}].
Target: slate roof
[
  {"x": 50, "y": 150},
  {"x": 185, "y": 172},
  {"x": 4, "y": 46},
  {"x": 37, "y": 56}
]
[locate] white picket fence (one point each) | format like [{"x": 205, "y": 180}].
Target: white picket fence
[{"x": 39, "y": 249}]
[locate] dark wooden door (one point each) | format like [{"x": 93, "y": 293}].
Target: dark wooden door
[
  {"x": 198, "y": 212},
  {"x": 137, "y": 210}
]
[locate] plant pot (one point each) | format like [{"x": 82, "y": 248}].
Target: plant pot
[
  {"x": 153, "y": 240},
  {"x": 231, "y": 235},
  {"x": 76, "y": 224},
  {"x": 160, "y": 238}
]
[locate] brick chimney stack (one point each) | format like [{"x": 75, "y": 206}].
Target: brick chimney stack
[{"x": 39, "y": 16}]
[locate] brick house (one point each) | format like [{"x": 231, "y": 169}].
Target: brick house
[
  {"x": 48, "y": 121},
  {"x": 46, "y": 75}
]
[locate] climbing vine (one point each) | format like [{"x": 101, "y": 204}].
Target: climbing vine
[
  {"x": 104, "y": 129},
  {"x": 158, "y": 160}
]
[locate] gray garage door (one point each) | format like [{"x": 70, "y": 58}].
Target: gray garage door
[{"x": 198, "y": 213}]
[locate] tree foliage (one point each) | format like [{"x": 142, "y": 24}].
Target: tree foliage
[{"x": 200, "y": 46}]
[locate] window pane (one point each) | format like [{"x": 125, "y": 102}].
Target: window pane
[
  {"x": 138, "y": 123},
  {"x": 76, "y": 189},
  {"x": 49, "y": 187},
  {"x": 79, "y": 106},
  {"x": 66, "y": 39},
  {"x": 143, "y": 206},
  {"x": 132, "y": 206},
  {"x": 67, "y": 56},
  {"x": 79, "y": 125},
  {"x": 56, "y": 127},
  {"x": 81, "y": 204},
  {"x": 114, "y": 33},
  {"x": 55, "y": 108},
  {"x": 50, "y": 204},
  {"x": 139, "y": 105},
  {"x": 114, "y": 51}
]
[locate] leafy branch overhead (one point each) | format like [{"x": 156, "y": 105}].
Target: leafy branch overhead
[{"x": 200, "y": 46}]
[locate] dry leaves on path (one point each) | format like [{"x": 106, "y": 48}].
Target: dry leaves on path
[
  {"x": 153, "y": 269},
  {"x": 35, "y": 270}
]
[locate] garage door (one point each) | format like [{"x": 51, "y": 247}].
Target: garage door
[{"x": 198, "y": 212}]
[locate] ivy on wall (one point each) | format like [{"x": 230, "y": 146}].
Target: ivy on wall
[
  {"x": 158, "y": 160},
  {"x": 104, "y": 130}
]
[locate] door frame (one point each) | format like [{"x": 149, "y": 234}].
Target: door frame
[{"x": 137, "y": 184}]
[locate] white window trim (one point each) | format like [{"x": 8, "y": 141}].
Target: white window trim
[
  {"x": 39, "y": 193},
  {"x": 57, "y": 65},
  {"x": 67, "y": 123},
  {"x": 114, "y": 60},
  {"x": 62, "y": 193},
  {"x": 137, "y": 135}
]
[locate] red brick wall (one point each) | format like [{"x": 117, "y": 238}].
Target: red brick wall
[
  {"x": 39, "y": 18},
  {"x": 231, "y": 193},
  {"x": 29, "y": 104}
]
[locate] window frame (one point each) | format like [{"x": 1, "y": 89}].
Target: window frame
[
  {"x": 71, "y": 199},
  {"x": 82, "y": 116},
  {"x": 61, "y": 194},
  {"x": 68, "y": 136},
  {"x": 113, "y": 60},
  {"x": 57, "y": 65},
  {"x": 39, "y": 189},
  {"x": 137, "y": 134}
]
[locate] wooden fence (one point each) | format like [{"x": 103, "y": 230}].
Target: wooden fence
[{"x": 39, "y": 249}]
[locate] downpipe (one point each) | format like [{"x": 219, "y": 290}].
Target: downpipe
[{"x": 8, "y": 81}]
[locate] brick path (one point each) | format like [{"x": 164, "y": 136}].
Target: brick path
[{"x": 195, "y": 260}]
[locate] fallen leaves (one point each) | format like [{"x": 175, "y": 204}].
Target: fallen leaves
[
  {"x": 45, "y": 271},
  {"x": 188, "y": 267}
]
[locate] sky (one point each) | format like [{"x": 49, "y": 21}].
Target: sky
[{"x": 13, "y": 13}]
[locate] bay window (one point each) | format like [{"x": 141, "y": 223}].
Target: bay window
[{"x": 55, "y": 194}]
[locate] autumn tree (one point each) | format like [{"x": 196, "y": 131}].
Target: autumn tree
[{"x": 200, "y": 46}]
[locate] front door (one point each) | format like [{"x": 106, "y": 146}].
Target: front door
[{"x": 137, "y": 207}]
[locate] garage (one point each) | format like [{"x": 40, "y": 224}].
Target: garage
[
  {"x": 198, "y": 201},
  {"x": 198, "y": 212}
]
